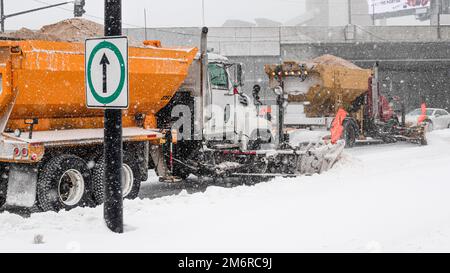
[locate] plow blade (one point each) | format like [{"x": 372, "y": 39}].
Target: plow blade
[{"x": 306, "y": 159}]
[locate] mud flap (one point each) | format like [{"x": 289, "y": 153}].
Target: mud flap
[
  {"x": 156, "y": 152},
  {"x": 22, "y": 182}
]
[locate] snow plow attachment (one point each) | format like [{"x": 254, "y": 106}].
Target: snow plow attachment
[
  {"x": 306, "y": 159},
  {"x": 285, "y": 161}
]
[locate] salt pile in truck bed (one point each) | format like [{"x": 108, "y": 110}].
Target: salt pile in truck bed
[{"x": 69, "y": 30}]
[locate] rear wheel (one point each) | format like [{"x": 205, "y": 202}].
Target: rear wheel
[
  {"x": 64, "y": 183},
  {"x": 349, "y": 134},
  {"x": 2, "y": 193},
  {"x": 130, "y": 182},
  {"x": 3, "y": 186}
]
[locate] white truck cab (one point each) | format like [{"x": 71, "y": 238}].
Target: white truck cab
[{"x": 230, "y": 114}]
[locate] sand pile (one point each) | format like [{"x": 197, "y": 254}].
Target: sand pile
[
  {"x": 73, "y": 30},
  {"x": 333, "y": 60},
  {"x": 70, "y": 30}
]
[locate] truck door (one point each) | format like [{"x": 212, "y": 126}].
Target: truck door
[{"x": 222, "y": 116}]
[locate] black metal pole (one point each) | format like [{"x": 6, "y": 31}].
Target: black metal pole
[
  {"x": 113, "y": 207},
  {"x": 403, "y": 113},
  {"x": 2, "y": 15},
  {"x": 280, "y": 102}
]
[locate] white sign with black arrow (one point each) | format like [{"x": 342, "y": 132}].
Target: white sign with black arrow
[{"x": 106, "y": 68}]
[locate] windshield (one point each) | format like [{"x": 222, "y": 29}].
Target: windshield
[{"x": 418, "y": 112}]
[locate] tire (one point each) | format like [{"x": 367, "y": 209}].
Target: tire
[
  {"x": 3, "y": 190},
  {"x": 349, "y": 134},
  {"x": 3, "y": 187},
  {"x": 64, "y": 182},
  {"x": 131, "y": 190}
]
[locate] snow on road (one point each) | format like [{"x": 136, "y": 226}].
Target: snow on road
[{"x": 377, "y": 198}]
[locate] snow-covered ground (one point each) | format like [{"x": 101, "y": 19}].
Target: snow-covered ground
[{"x": 377, "y": 198}]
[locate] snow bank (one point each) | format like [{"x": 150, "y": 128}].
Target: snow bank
[{"x": 377, "y": 198}]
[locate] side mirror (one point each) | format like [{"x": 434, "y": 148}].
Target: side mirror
[
  {"x": 255, "y": 93},
  {"x": 278, "y": 90},
  {"x": 256, "y": 90}
]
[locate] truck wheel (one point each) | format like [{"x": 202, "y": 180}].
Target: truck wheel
[
  {"x": 2, "y": 193},
  {"x": 349, "y": 135},
  {"x": 64, "y": 183},
  {"x": 130, "y": 183},
  {"x": 3, "y": 187}
]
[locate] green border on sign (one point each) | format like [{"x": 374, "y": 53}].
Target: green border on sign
[{"x": 116, "y": 94}]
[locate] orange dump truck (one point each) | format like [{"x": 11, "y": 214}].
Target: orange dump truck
[{"x": 50, "y": 140}]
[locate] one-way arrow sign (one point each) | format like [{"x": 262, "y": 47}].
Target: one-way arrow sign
[
  {"x": 107, "y": 72},
  {"x": 104, "y": 62}
]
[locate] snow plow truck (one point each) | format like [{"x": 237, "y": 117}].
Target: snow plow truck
[
  {"x": 310, "y": 94},
  {"x": 186, "y": 116}
]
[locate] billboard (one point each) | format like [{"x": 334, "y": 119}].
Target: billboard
[{"x": 387, "y": 6}]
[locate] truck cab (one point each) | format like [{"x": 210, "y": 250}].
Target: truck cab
[{"x": 230, "y": 115}]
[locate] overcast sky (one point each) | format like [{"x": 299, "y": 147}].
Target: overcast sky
[{"x": 160, "y": 13}]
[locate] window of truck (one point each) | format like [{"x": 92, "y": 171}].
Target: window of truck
[{"x": 218, "y": 76}]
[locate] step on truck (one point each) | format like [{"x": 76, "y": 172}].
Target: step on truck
[{"x": 187, "y": 115}]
